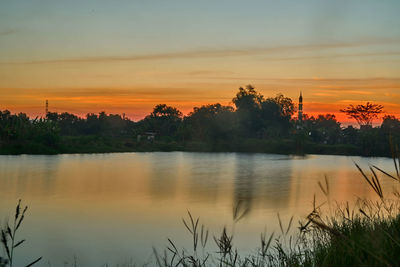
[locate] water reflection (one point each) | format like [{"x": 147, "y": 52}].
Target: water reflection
[
  {"x": 208, "y": 177},
  {"x": 110, "y": 207},
  {"x": 262, "y": 180},
  {"x": 244, "y": 182},
  {"x": 164, "y": 175},
  {"x": 26, "y": 175}
]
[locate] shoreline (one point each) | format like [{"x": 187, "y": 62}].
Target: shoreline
[{"x": 258, "y": 147}]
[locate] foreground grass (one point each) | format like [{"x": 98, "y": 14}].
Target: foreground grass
[{"x": 365, "y": 234}]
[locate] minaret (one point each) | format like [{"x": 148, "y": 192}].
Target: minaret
[
  {"x": 300, "y": 115},
  {"x": 47, "y": 108}
]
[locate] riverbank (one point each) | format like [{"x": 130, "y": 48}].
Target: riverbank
[{"x": 100, "y": 144}]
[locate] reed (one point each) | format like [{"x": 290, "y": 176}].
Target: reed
[
  {"x": 9, "y": 239},
  {"x": 364, "y": 234}
]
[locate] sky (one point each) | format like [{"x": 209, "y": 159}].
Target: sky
[{"x": 128, "y": 56}]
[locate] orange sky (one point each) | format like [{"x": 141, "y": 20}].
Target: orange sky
[
  {"x": 320, "y": 96},
  {"x": 128, "y": 58}
]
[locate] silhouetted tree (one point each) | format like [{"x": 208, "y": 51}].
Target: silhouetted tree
[
  {"x": 210, "y": 127},
  {"x": 276, "y": 113},
  {"x": 391, "y": 124},
  {"x": 323, "y": 129},
  {"x": 350, "y": 135},
  {"x": 390, "y": 130},
  {"x": 211, "y": 122},
  {"x": 164, "y": 121},
  {"x": 260, "y": 117},
  {"x": 162, "y": 110},
  {"x": 248, "y": 105},
  {"x": 363, "y": 114},
  {"x": 247, "y": 99},
  {"x": 286, "y": 105}
]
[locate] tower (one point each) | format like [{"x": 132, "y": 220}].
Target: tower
[
  {"x": 47, "y": 108},
  {"x": 300, "y": 115}
]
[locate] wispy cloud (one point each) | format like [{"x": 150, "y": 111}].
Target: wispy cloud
[
  {"x": 334, "y": 56},
  {"x": 128, "y": 94},
  {"x": 218, "y": 53},
  {"x": 8, "y": 32},
  {"x": 348, "y": 92}
]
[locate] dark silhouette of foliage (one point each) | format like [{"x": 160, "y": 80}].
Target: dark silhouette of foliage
[
  {"x": 164, "y": 121},
  {"x": 258, "y": 116},
  {"x": 391, "y": 124},
  {"x": 286, "y": 106},
  {"x": 211, "y": 122},
  {"x": 275, "y": 115},
  {"x": 247, "y": 99},
  {"x": 255, "y": 124},
  {"x": 162, "y": 110},
  {"x": 248, "y": 104},
  {"x": 323, "y": 129},
  {"x": 363, "y": 114}
]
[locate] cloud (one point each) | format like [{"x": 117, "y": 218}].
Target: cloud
[
  {"x": 353, "y": 92},
  {"x": 334, "y": 56},
  {"x": 8, "y": 32},
  {"x": 218, "y": 53},
  {"x": 208, "y": 72},
  {"x": 109, "y": 94},
  {"x": 323, "y": 83},
  {"x": 323, "y": 94}
]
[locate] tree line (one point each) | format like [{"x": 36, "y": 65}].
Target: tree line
[{"x": 255, "y": 124}]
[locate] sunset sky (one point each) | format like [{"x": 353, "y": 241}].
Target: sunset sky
[{"x": 127, "y": 56}]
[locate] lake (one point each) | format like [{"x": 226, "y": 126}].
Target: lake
[{"x": 113, "y": 208}]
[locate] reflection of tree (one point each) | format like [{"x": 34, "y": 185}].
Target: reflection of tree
[
  {"x": 205, "y": 173},
  {"x": 260, "y": 180},
  {"x": 243, "y": 194}
]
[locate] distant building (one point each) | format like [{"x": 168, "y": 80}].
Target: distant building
[
  {"x": 300, "y": 114},
  {"x": 150, "y": 136}
]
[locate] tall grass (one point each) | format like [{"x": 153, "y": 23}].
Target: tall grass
[
  {"x": 9, "y": 239},
  {"x": 364, "y": 234}
]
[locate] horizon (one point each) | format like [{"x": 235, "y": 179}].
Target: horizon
[
  {"x": 92, "y": 56},
  {"x": 344, "y": 122},
  {"x": 199, "y": 133}
]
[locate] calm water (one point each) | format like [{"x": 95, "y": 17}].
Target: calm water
[{"x": 111, "y": 208}]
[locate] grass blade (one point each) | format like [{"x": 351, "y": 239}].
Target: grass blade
[{"x": 35, "y": 261}]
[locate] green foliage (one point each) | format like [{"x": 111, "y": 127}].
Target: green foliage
[
  {"x": 324, "y": 129},
  {"x": 256, "y": 124},
  {"x": 260, "y": 117},
  {"x": 163, "y": 121},
  {"x": 210, "y": 123}
]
